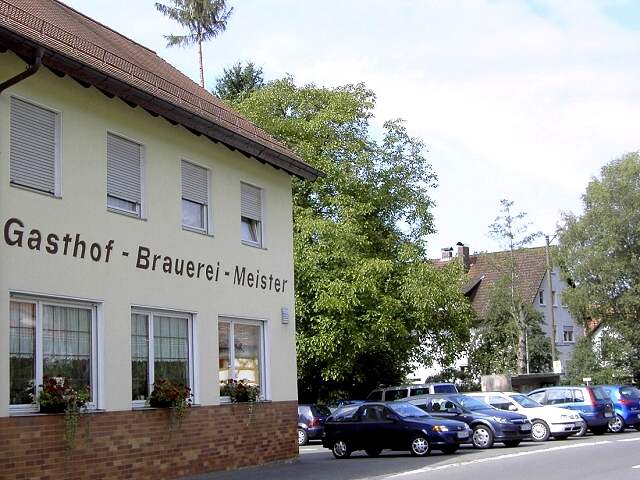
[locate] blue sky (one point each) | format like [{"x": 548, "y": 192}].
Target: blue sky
[{"x": 523, "y": 100}]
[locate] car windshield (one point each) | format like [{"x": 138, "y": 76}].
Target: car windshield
[
  {"x": 405, "y": 409},
  {"x": 470, "y": 403},
  {"x": 525, "y": 401},
  {"x": 320, "y": 410}
]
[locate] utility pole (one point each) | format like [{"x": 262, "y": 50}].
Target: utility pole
[{"x": 551, "y": 313}]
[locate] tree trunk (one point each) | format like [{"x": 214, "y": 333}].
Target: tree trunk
[
  {"x": 521, "y": 353},
  {"x": 201, "y": 67}
]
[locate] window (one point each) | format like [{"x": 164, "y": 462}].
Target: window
[
  {"x": 53, "y": 339},
  {"x": 499, "y": 402},
  {"x": 398, "y": 394},
  {"x": 568, "y": 335},
  {"x": 124, "y": 175},
  {"x": 33, "y": 146},
  {"x": 578, "y": 396},
  {"x": 559, "y": 396},
  {"x": 251, "y": 214},
  {"x": 241, "y": 352},
  {"x": 554, "y": 299},
  {"x": 161, "y": 348},
  {"x": 538, "y": 397},
  {"x": 541, "y": 297},
  {"x": 195, "y": 197}
]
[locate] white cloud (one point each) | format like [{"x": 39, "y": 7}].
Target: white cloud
[{"x": 524, "y": 100}]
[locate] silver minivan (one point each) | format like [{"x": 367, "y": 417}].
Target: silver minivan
[{"x": 402, "y": 392}]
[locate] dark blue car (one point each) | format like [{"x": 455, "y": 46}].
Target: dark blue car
[
  {"x": 489, "y": 424},
  {"x": 377, "y": 426},
  {"x": 626, "y": 406},
  {"x": 311, "y": 420}
]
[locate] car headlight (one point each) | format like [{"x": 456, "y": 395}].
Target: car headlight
[
  {"x": 500, "y": 419},
  {"x": 440, "y": 428},
  {"x": 565, "y": 417}
]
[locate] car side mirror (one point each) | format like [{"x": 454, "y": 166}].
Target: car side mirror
[
  {"x": 513, "y": 408},
  {"x": 454, "y": 410}
]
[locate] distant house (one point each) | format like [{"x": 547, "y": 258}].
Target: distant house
[{"x": 484, "y": 271}]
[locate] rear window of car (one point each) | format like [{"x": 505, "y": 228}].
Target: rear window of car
[
  {"x": 320, "y": 410},
  {"x": 391, "y": 395},
  {"x": 630, "y": 392},
  {"x": 303, "y": 410},
  {"x": 599, "y": 393},
  {"x": 419, "y": 391},
  {"x": 345, "y": 414},
  {"x": 375, "y": 395},
  {"x": 445, "y": 389}
]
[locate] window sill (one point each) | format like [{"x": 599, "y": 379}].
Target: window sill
[
  {"x": 142, "y": 408},
  {"x": 198, "y": 231},
  {"x": 126, "y": 214},
  {"x": 35, "y": 190},
  {"x": 36, "y": 413},
  {"x": 253, "y": 245}
]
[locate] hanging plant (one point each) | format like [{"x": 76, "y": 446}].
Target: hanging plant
[
  {"x": 175, "y": 396},
  {"x": 240, "y": 391}
]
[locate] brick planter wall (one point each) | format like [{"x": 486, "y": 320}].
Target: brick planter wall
[{"x": 140, "y": 445}]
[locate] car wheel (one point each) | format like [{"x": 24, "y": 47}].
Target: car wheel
[
  {"x": 449, "y": 450},
  {"x": 373, "y": 452},
  {"x": 482, "y": 437},
  {"x": 511, "y": 443},
  {"x": 340, "y": 449},
  {"x": 583, "y": 431},
  {"x": 539, "y": 431},
  {"x": 600, "y": 430},
  {"x": 419, "y": 446},
  {"x": 303, "y": 437},
  {"x": 616, "y": 424}
]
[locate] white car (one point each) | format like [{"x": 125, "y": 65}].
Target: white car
[{"x": 546, "y": 421}]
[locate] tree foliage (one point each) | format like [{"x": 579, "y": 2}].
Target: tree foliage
[
  {"x": 600, "y": 252},
  {"x": 366, "y": 300},
  {"x": 204, "y": 19},
  {"x": 239, "y": 80}
]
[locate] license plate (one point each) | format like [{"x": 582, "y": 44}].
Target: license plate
[
  {"x": 639, "y": 415},
  {"x": 525, "y": 428},
  {"x": 463, "y": 434},
  {"x": 608, "y": 414},
  {"x": 571, "y": 425}
]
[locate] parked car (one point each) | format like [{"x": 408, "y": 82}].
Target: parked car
[
  {"x": 489, "y": 424},
  {"x": 592, "y": 403},
  {"x": 545, "y": 420},
  {"x": 377, "y": 426},
  {"x": 626, "y": 406},
  {"x": 401, "y": 392},
  {"x": 311, "y": 419}
]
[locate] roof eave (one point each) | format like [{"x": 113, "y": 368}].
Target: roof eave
[{"x": 62, "y": 64}]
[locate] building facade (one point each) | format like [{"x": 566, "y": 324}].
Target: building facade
[{"x": 146, "y": 236}]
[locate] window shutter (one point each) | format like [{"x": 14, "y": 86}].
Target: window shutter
[
  {"x": 123, "y": 169},
  {"x": 32, "y": 146},
  {"x": 251, "y": 202},
  {"x": 194, "y": 183}
]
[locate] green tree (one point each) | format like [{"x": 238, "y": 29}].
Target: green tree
[
  {"x": 239, "y": 80},
  {"x": 600, "y": 252},
  {"x": 513, "y": 231},
  {"x": 367, "y": 302},
  {"x": 496, "y": 338},
  {"x": 205, "y": 19}
]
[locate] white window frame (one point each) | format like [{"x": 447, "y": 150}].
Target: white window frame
[
  {"x": 261, "y": 230},
  {"x": 150, "y": 313},
  {"x": 39, "y": 302},
  {"x": 57, "y": 188},
  {"x": 208, "y": 217},
  {"x": 573, "y": 335},
  {"x": 142, "y": 210},
  {"x": 265, "y": 392},
  {"x": 554, "y": 298}
]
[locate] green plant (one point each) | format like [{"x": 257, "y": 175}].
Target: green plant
[
  {"x": 175, "y": 396},
  {"x": 239, "y": 391},
  {"x": 56, "y": 395}
]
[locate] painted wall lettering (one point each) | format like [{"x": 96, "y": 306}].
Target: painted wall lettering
[{"x": 16, "y": 234}]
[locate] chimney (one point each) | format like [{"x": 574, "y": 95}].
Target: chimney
[
  {"x": 446, "y": 253},
  {"x": 463, "y": 255}
]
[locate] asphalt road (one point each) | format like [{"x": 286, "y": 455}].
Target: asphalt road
[{"x": 589, "y": 458}]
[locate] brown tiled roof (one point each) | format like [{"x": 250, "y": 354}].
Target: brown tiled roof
[
  {"x": 487, "y": 268},
  {"x": 93, "y": 54}
]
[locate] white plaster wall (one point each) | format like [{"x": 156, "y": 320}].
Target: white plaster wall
[{"x": 87, "y": 115}]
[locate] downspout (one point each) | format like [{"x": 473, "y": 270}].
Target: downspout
[{"x": 31, "y": 70}]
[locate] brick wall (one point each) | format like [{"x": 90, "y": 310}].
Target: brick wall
[{"x": 141, "y": 445}]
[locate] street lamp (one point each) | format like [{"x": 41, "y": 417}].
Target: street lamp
[{"x": 550, "y": 286}]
